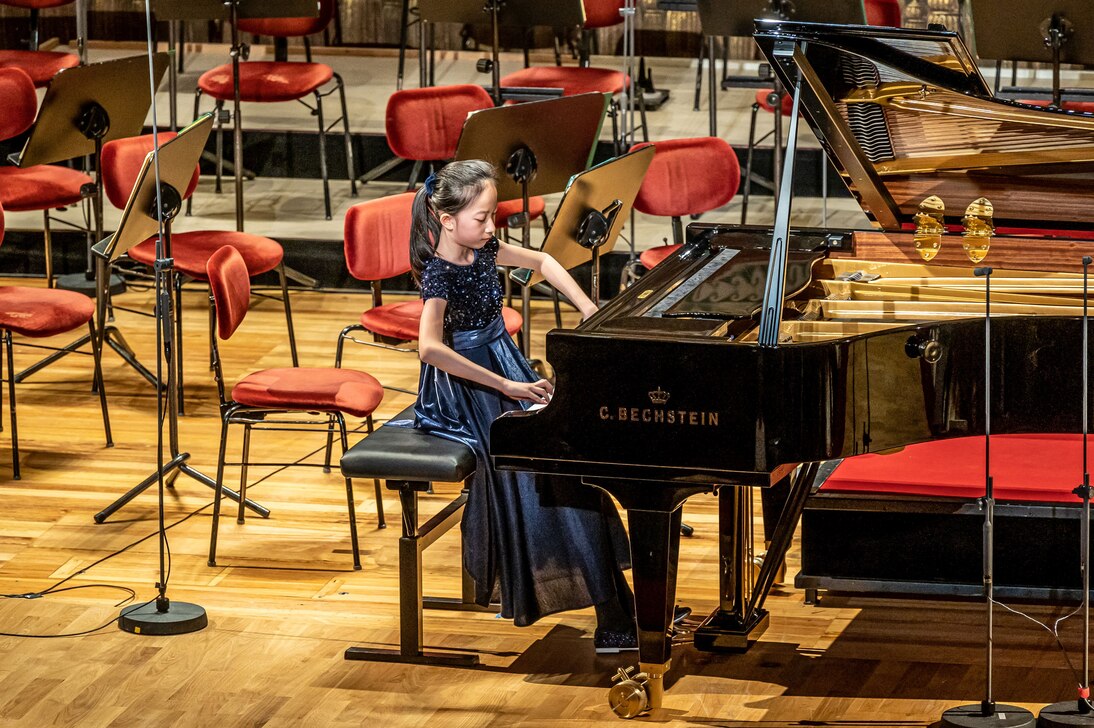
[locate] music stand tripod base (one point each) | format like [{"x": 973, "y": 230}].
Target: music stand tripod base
[
  {"x": 972, "y": 716},
  {"x": 1064, "y": 714},
  {"x": 80, "y": 283},
  {"x": 179, "y": 618}
]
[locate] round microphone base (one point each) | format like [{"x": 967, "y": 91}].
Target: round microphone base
[
  {"x": 180, "y": 618},
  {"x": 972, "y": 716},
  {"x": 1064, "y": 714}
]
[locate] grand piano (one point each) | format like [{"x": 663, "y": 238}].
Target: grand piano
[{"x": 753, "y": 356}]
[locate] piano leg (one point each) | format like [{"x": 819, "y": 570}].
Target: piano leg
[{"x": 655, "y": 548}]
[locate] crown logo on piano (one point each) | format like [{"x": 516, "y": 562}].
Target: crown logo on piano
[{"x": 659, "y": 396}]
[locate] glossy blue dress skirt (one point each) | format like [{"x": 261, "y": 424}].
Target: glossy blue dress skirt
[{"x": 545, "y": 544}]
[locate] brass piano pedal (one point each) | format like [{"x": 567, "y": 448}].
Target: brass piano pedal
[
  {"x": 930, "y": 226},
  {"x": 629, "y": 697},
  {"x": 979, "y": 229}
]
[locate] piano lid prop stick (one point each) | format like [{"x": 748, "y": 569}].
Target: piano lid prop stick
[
  {"x": 987, "y": 712},
  {"x": 1079, "y": 711}
]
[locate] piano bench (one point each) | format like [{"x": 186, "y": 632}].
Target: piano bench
[{"x": 410, "y": 461}]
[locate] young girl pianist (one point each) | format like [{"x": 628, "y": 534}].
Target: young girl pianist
[{"x": 544, "y": 544}]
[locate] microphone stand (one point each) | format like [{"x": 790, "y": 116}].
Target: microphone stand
[
  {"x": 987, "y": 712},
  {"x": 1078, "y": 712}
]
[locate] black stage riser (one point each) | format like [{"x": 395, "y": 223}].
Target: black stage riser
[{"x": 933, "y": 547}]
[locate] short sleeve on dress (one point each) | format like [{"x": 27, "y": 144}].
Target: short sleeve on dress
[
  {"x": 434, "y": 282},
  {"x": 490, "y": 250}
]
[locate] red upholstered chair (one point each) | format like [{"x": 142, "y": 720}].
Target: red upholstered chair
[
  {"x": 39, "y": 313},
  {"x": 42, "y": 187},
  {"x": 41, "y": 66},
  {"x": 377, "y": 247},
  {"x": 883, "y": 13},
  {"x": 686, "y": 177},
  {"x": 272, "y": 81},
  {"x": 259, "y": 397},
  {"x": 121, "y": 164},
  {"x": 424, "y": 126}
]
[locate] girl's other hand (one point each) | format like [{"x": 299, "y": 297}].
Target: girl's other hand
[{"x": 539, "y": 391}]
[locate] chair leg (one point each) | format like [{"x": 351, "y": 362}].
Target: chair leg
[
  {"x": 330, "y": 445},
  {"x": 220, "y": 145},
  {"x": 178, "y": 344},
  {"x": 350, "y": 166},
  {"x": 698, "y": 74},
  {"x": 218, "y": 490},
  {"x": 288, "y": 312},
  {"x": 246, "y": 456},
  {"x": 212, "y": 331},
  {"x": 323, "y": 152},
  {"x": 349, "y": 496},
  {"x": 47, "y": 239},
  {"x": 748, "y": 163},
  {"x": 11, "y": 406},
  {"x": 415, "y": 173},
  {"x": 97, "y": 352},
  {"x": 404, "y": 22},
  {"x": 381, "y": 521}
]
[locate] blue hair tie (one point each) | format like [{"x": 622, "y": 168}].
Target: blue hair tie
[{"x": 430, "y": 184}]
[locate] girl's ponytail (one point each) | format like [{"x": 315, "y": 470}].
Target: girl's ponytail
[{"x": 425, "y": 230}]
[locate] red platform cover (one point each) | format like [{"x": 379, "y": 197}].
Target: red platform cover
[
  {"x": 1025, "y": 468},
  {"x": 425, "y": 123},
  {"x": 266, "y": 81},
  {"x": 573, "y": 80}
]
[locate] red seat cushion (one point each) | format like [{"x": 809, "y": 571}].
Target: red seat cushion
[
  {"x": 40, "y": 187},
  {"x": 425, "y": 123},
  {"x": 572, "y": 80},
  {"x": 401, "y": 320},
  {"x": 307, "y": 388},
  {"x": 653, "y": 256},
  {"x": 192, "y": 251},
  {"x": 1085, "y": 107},
  {"x": 266, "y": 80},
  {"x": 1034, "y": 468},
  {"x": 43, "y": 311},
  {"x": 765, "y": 103},
  {"x": 41, "y": 66},
  {"x": 536, "y": 206}
]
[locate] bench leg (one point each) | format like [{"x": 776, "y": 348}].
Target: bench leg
[{"x": 411, "y": 603}]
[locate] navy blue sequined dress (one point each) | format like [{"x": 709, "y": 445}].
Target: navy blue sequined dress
[{"x": 519, "y": 541}]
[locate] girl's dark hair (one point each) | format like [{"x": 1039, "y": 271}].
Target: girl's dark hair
[{"x": 453, "y": 188}]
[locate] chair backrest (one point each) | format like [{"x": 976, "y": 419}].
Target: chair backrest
[
  {"x": 377, "y": 237},
  {"x": 884, "y": 13},
  {"x": 291, "y": 27},
  {"x": 688, "y": 177},
  {"x": 230, "y": 284},
  {"x": 20, "y": 102},
  {"x": 425, "y": 123},
  {"x": 1, "y": 224},
  {"x": 122, "y": 160},
  {"x": 602, "y": 13}
]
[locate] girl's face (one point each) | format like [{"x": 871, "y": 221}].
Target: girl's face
[{"x": 473, "y": 226}]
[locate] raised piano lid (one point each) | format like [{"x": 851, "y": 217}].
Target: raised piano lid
[{"x": 904, "y": 114}]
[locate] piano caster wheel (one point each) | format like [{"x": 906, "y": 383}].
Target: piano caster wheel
[{"x": 629, "y": 697}]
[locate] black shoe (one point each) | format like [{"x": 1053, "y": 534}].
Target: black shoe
[
  {"x": 609, "y": 641},
  {"x": 679, "y": 614}
]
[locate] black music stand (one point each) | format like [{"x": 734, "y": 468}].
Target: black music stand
[
  {"x": 538, "y": 147},
  {"x": 591, "y": 215},
  {"x": 177, "y": 159},
  {"x": 85, "y": 107},
  {"x": 1037, "y": 31},
  {"x": 521, "y": 13},
  {"x": 232, "y": 11}
]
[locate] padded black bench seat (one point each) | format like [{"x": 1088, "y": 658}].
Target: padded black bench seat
[{"x": 410, "y": 461}]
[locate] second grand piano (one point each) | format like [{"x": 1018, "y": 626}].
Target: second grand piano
[{"x": 667, "y": 392}]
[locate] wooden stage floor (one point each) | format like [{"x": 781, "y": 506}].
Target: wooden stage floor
[{"x": 284, "y": 602}]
